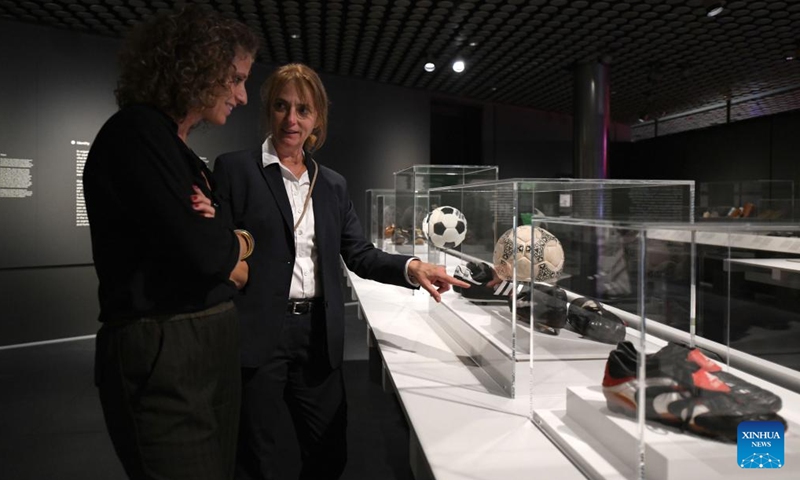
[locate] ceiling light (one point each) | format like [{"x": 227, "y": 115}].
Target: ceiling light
[
  {"x": 458, "y": 66},
  {"x": 789, "y": 58},
  {"x": 473, "y": 44},
  {"x": 715, "y": 8},
  {"x": 429, "y": 67},
  {"x": 294, "y": 36}
]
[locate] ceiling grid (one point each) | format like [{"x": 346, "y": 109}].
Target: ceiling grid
[{"x": 665, "y": 56}]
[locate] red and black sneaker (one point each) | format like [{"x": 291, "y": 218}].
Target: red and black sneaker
[
  {"x": 696, "y": 401},
  {"x": 683, "y": 362}
]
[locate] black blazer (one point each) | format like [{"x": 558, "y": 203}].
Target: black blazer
[{"x": 256, "y": 198}]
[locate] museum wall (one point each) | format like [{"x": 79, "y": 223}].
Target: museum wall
[
  {"x": 522, "y": 142},
  {"x": 56, "y": 90},
  {"x": 764, "y": 148},
  {"x": 375, "y": 130},
  {"x": 530, "y": 143}
]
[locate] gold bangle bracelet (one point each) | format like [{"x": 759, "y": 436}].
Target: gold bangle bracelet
[{"x": 249, "y": 242}]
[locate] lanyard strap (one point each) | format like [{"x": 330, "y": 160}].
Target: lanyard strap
[{"x": 308, "y": 197}]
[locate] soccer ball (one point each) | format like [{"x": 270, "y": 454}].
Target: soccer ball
[
  {"x": 447, "y": 227},
  {"x": 425, "y": 225},
  {"x": 538, "y": 254}
]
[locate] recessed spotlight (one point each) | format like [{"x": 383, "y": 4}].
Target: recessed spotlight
[
  {"x": 294, "y": 36},
  {"x": 789, "y": 58},
  {"x": 458, "y": 66},
  {"x": 429, "y": 67},
  {"x": 473, "y": 44},
  {"x": 715, "y": 8}
]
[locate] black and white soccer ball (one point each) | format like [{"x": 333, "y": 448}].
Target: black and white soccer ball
[
  {"x": 425, "y": 226},
  {"x": 447, "y": 227}
]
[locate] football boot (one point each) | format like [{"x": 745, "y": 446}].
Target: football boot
[
  {"x": 700, "y": 403},
  {"x": 588, "y": 318},
  {"x": 400, "y": 236},
  {"x": 478, "y": 275},
  {"x": 549, "y": 307},
  {"x": 683, "y": 362}
]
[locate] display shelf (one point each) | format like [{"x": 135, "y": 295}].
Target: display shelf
[
  {"x": 758, "y": 239},
  {"x": 462, "y": 425},
  {"x": 586, "y": 428},
  {"x": 778, "y": 272},
  {"x": 591, "y": 456},
  {"x": 633, "y": 262},
  {"x": 791, "y": 265},
  {"x": 484, "y": 331},
  {"x": 670, "y": 454},
  {"x": 648, "y": 274},
  {"x": 492, "y": 321},
  {"x": 748, "y": 200}
]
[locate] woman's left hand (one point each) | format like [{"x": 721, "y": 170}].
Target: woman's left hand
[
  {"x": 202, "y": 204},
  {"x": 432, "y": 278}
]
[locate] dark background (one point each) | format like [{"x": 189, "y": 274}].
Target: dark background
[{"x": 57, "y": 86}]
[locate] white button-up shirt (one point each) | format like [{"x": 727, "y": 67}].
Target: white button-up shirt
[{"x": 305, "y": 278}]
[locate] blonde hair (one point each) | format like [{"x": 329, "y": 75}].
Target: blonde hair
[{"x": 308, "y": 84}]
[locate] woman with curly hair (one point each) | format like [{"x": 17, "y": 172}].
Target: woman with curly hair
[{"x": 167, "y": 353}]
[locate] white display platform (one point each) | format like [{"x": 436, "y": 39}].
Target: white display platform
[
  {"x": 781, "y": 272},
  {"x": 485, "y": 333},
  {"x": 587, "y": 429},
  {"x": 463, "y": 427},
  {"x": 781, "y": 264},
  {"x": 721, "y": 238},
  {"x": 493, "y": 321}
]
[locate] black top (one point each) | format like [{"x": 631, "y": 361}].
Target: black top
[{"x": 153, "y": 253}]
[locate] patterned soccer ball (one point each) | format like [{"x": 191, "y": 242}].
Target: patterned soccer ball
[
  {"x": 447, "y": 227},
  {"x": 538, "y": 254}
]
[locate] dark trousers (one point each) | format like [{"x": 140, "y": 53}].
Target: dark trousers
[
  {"x": 300, "y": 375},
  {"x": 170, "y": 388}
]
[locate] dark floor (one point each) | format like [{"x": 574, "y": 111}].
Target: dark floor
[{"x": 51, "y": 426}]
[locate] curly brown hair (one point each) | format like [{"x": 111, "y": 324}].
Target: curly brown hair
[
  {"x": 309, "y": 87},
  {"x": 181, "y": 60}
]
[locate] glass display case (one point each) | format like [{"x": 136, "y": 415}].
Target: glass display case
[
  {"x": 709, "y": 330},
  {"x": 487, "y": 319},
  {"x": 752, "y": 201},
  {"x": 585, "y": 290},
  {"x": 413, "y": 202},
  {"x": 379, "y": 216}
]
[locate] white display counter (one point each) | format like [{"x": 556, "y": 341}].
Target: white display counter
[{"x": 463, "y": 426}]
